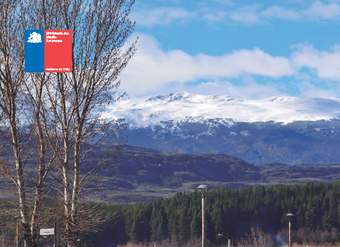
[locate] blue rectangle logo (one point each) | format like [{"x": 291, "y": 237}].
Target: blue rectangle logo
[{"x": 34, "y": 51}]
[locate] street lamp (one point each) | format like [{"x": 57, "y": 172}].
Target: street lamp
[
  {"x": 202, "y": 188},
  {"x": 290, "y": 215},
  {"x": 17, "y": 231},
  {"x": 221, "y": 235}
]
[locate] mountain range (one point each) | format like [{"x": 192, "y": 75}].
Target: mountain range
[
  {"x": 273, "y": 130},
  {"x": 158, "y": 146},
  {"x": 179, "y": 107}
]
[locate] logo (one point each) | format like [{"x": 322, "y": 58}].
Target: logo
[
  {"x": 48, "y": 51},
  {"x": 34, "y": 38}
]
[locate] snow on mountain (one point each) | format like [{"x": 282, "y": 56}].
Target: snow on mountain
[{"x": 180, "y": 107}]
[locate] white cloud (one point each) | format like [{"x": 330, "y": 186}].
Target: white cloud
[
  {"x": 152, "y": 68},
  {"x": 309, "y": 90},
  {"x": 317, "y": 10},
  {"x": 323, "y": 11},
  {"x": 326, "y": 64},
  {"x": 167, "y": 15},
  {"x": 245, "y": 16},
  {"x": 249, "y": 89},
  {"x": 251, "y": 14},
  {"x": 160, "y": 16},
  {"x": 281, "y": 13},
  {"x": 214, "y": 16}
]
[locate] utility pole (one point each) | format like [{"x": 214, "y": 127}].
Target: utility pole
[
  {"x": 17, "y": 234},
  {"x": 289, "y": 234},
  {"x": 55, "y": 234},
  {"x": 203, "y": 189},
  {"x": 290, "y": 215},
  {"x": 203, "y": 220}
]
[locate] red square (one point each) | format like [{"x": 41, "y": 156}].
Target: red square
[{"x": 58, "y": 51}]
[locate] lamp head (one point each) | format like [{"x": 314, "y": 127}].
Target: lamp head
[{"x": 202, "y": 187}]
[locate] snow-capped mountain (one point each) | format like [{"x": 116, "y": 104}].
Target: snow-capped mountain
[
  {"x": 179, "y": 107},
  {"x": 278, "y": 129}
]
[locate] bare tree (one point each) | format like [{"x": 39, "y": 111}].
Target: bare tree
[
  {"x": 34, "y": 92},
  {"x": 100, "y": 52},
  {"x": 62, "y": 109},
  {"x": 22, "y": 106},
  {"x": 11, "y": 78}
]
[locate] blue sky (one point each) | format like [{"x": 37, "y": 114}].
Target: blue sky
[{"x": 247, "y": 49}]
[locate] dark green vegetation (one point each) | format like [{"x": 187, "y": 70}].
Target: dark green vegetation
[
  {"x": 233, "y": 212},
  {"x": 237, "y": 213}
]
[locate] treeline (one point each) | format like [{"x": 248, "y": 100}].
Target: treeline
[{"x": 235, "y": 213}]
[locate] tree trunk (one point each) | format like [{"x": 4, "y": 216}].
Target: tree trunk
[
  {"x": 39, "y": 183},
  {"x": 65, "y": 187},
  {"x": 23, "y": 210},
  {"x": 75, "y": 188}
]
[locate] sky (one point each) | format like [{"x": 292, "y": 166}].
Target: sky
[{"x": 244, "y": 49}]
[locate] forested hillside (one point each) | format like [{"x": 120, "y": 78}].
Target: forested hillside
[
  {"x": 244, "y": 214},
  {"x": 235, "y": 213}
]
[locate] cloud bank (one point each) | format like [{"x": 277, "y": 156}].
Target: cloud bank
[
  {"x": 153, "y": 70},
  {"x": 247, "y": 14}
]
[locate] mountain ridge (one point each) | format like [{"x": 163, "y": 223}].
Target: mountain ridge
[
  {"x": 177, "y": 107},
  {"x": 136, "y": 173},
  {"x": 130, "y": 174},
  {"x": 280, "y": 129}
]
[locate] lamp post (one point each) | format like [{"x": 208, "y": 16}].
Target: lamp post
[
  {"x": 221, "y": 235},
  {"x": 17, "y": 232},
  {"x": 290, "y": 215},
  {"x": 202, "y": 188},
  {"x": 55, "y": 234}
]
